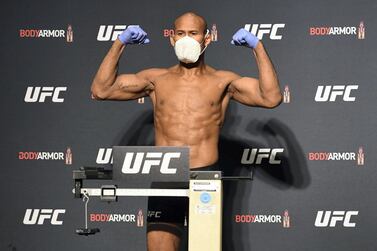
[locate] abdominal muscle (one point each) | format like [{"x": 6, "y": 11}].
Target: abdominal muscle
[
  {"x": 190, "y": 112},
  {"x": 196, "y": 128}
]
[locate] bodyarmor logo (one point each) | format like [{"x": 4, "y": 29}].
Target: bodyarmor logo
[
  {"x": 140, "y": 218},
  {"x": 358, "y": 31},
  {"x": 330, "y": 218},
  {"x": 39, "y": 94},
  {"x": 41, "y": 155},
  {"x": 260, "y": 29},
  {"x": 143, "y": 164},
  {"x": 329, "y": 93},
  {"x": 112, "y": 217},
  {"x": 37, "y": 33},
  {"x": 69, "y": 34},
  {"x": 110, "y": 32},
  {"x": 286, "y": 219},
  {"x": 38, "y": 216},
  {"x": 257, "y": 155},
  {"x": 286, "y": 95},
  {"x": 358, "y": 156}
]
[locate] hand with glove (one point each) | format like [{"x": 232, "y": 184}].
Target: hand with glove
[
  {"x": 134, "y": 35},
  {"x": 244, "y": 38}
]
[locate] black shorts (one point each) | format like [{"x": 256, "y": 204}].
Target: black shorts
[{"x": 170, "y": 214}]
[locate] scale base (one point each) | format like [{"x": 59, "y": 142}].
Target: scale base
[{"x": 87, "y": 231}]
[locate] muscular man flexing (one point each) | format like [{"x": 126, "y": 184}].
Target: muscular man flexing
[{"x": 189, "y": 100}]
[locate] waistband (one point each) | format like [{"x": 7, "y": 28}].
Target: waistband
[{"x": 213, "y": 167}]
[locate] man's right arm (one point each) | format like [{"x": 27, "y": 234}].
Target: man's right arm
[{"x": 108, "y": 85}]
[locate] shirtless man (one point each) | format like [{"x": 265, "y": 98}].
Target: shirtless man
[{"x": 189, "y": 99}]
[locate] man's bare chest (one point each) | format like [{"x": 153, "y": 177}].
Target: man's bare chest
[{"x": 192, "y": 91}]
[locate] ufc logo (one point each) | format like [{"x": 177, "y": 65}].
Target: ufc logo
[
  {"x": 110, "y": 32},
  {"x": 39, "y": 94},
  {"x": 155, "y": 214},
  {"x": 330, "y": 93},
  {"x": 105, "y": 156},
  {"x": 133, "y": 165},
  {"x": 334, "y": 217},
  {"x": 261, "y": 29},
  {"x": 38, "y": 216},
  {"x": 256, "y": 156}
]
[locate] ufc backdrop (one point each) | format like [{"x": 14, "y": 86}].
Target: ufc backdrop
[{"x": 313, "y": 157}]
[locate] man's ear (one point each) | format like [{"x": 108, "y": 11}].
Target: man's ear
[
  {"x": 208, "y": 38},
  {"x": 172, "y": 40}
]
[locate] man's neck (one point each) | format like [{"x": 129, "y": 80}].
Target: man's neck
[{"x": 196, "y": 68}]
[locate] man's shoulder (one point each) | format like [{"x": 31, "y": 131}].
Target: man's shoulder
[
  {"x": 226, "y": 74},
  {"x": 154, "y": 71}
]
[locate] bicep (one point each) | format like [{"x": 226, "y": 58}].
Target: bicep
[
  {"x": 246, "y": 91},
  {"x": 129, "y": 86}
]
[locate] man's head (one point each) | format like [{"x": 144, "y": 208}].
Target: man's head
[{"x": 191, "y": 25}]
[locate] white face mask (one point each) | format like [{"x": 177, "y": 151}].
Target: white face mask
[{"x": 188, "y": 50}]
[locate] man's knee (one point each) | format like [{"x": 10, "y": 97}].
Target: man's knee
[{"x": 162, "y": 241}]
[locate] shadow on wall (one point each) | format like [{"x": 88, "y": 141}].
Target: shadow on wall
[
  {"x": 141, "y": 133},
  {"x": 291, "y": 173}
]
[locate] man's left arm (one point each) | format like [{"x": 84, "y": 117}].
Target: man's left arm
[{"x": 263, "y": 92}]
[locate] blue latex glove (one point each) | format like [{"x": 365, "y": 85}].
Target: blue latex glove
[
  {"x": 133, "y": 35},
  {"x": 244, "y": 38}
]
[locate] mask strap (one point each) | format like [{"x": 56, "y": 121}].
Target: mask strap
[
  {"x": 206, "y": 33},
  {"x": 203, "y": 42}
]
